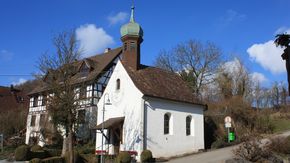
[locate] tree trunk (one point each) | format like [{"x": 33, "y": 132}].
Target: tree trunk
[
  {"x": 70, "y": 146},
  {"x": 64, "y": 147}
]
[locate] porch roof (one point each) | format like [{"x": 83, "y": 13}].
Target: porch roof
[{"x": 111, "y": 123}]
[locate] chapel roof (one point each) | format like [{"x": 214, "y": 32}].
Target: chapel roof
[{"x": 159, "y": 83}]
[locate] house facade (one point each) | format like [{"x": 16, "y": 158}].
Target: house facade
[{"x": 90, "y": 80}]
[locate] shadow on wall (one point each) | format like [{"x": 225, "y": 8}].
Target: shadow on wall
[
  {"x": 132, "y": 134},
  {"x": 209, "y": 131}
]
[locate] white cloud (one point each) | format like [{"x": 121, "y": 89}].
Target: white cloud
[
  {"x": 6, "y": 55},
  {"x": 282, "y": 30},
  {"x": 118, "y": 18},
  {"x": 231, "y": 16},
  {"x": 268, "y": 56},
  {"x": 93, "y": 40},
  {"x": 258, "y": 77},
  {"x": 20, "y": 81},
  {"x": 234, "y": 66}
]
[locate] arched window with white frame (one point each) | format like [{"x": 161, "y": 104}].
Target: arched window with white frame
[
  {"x": 168, "y": 124},
  {"x": 118, "y": 84}
]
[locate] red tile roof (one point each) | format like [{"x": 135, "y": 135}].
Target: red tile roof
[
  {"x": 98, "y": 63},
  {"x": 156, "y": 82}
]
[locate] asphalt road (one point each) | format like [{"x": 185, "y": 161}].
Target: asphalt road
[{"x": 214, "y": 156}]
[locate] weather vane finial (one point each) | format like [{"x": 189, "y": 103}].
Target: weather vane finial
[{"x": 132, "y": 12}]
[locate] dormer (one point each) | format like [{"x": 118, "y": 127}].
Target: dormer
[{"x": 85, "y": 68}]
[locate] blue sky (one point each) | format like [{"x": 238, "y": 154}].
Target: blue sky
[{"x": 241, "y": 28}]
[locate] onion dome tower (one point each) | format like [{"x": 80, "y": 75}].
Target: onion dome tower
[{"x": 132, "y": 37}]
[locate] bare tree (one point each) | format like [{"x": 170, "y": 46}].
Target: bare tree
[
  {"x": 233, "y": 79},
  {"x": 194, "y": 61},
  {"x": 59, "y": 69}
]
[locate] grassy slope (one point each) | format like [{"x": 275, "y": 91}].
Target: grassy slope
[{"x": 281, "y": 125}]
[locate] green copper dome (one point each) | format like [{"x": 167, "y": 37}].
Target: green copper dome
[{"x": 132, "y": 28}]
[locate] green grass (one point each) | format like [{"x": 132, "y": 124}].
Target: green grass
[{"x": 281, "y": 125}]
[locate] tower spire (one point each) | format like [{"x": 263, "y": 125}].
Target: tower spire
[{"x": 132, "y": 20}]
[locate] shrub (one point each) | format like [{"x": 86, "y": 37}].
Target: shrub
[
  {"x": 36, "y": 148},
  {"x": 35, "y": 160},
  {"x": 219, "y": 143},
  {"x": 53, "y": 160},
  {"x": 146, "y": 156},
  {"x": 89, "y": 158},
  {"x": 124, "y": 157},
  {"x": 22, "y": 153},
  {"x": 53, "y": 152},
  {"x": 88, "y": 148},
  {"x": 77, "y": 157},
  {"x": 263, "y": 124},
  {"x": 39, "y": 154},
  {"x": 252, "y": 151},
  {"x": 280, "y": 145}
]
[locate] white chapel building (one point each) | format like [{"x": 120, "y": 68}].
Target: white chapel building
[{"x": 144, "y": 107}]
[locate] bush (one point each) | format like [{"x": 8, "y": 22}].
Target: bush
[
  {"x": 280, "y": 145},
  {"x": 39, "y": 154},
  {"x": 36, "y": 148},
  {"x": 263, "y": 124},
  {"x": 219, "y": 143},
  {"x": 22, "y": 153},
  {"x": 252, "y": 151},
  {"x": 35, "y": 160},
  {"x": 146, "y": 156},
  {"x": 89, "y": 158},
  {"x": 77, "y": 157},
  {"x": 53, "y": 152},
  {"x": 88, "y": 148},
  {"x": 124, "y": 157},
  {"x": 53, "y": 160}
]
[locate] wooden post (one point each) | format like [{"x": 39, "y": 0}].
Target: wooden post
[{"x": 1, "y": 143}]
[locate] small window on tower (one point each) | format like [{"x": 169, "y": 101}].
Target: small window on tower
[
  {"x": 118, "y": 84},
  {"x": 132, "y": 46},
  {"x": 125, "y": 47}
]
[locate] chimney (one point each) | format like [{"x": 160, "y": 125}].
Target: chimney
[{"x": 107, "y": 50}]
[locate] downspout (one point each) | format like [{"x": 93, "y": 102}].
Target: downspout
[{"x": 143, "y": 121}]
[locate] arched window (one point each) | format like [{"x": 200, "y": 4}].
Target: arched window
[
  {"x": 166, "y": 123},
  {"x": 188, "y": 125},
  {"x": 118, "y": 84}
]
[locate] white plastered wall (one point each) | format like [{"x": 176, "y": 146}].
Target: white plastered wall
[
  {"x": 125, "y": 102},
  {"x": 176, "y": 142}
]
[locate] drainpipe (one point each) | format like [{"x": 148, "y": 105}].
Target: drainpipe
[{"x": 144, "y": 122}]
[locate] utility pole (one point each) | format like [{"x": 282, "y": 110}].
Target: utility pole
[{"x": 102, "y": 131}]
